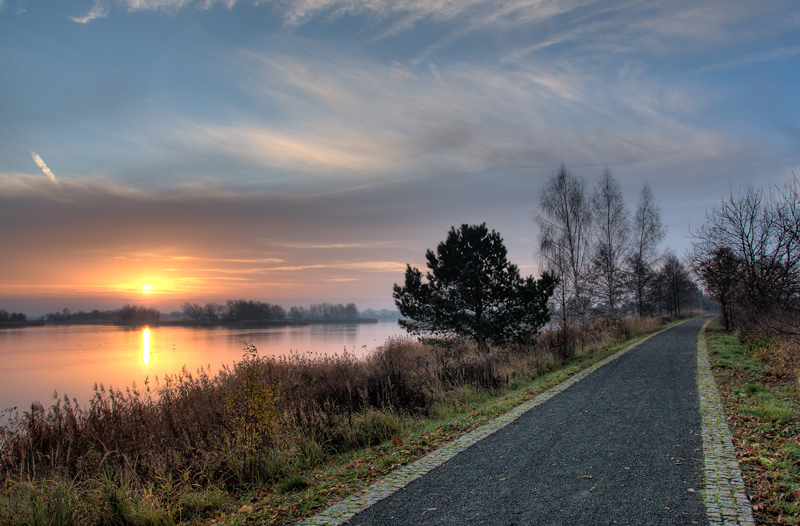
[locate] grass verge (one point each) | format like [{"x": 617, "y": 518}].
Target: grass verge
[
  {"x": 346, "y": 474},
  {"x": 762, "y": 406}
]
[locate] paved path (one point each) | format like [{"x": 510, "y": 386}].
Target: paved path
[{"x": 620, "y": 445}]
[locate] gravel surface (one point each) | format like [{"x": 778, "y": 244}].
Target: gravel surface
[{"x": 622, "y": 446}]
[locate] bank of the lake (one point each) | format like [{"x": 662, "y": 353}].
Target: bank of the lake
[
  {"x": 39, "y": 361},
  {"x": 251, "y": 438},
  {"x": 20, "y": 324}
]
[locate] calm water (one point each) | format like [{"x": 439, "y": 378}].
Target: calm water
[{"x": 36, "y": 361}]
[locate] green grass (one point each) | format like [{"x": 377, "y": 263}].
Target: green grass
[
  {"x": 763, "y": 411},
  {"x": 291, "y": 483}
]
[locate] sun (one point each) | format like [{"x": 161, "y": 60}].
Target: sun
[{"x": 147, "y": 289}]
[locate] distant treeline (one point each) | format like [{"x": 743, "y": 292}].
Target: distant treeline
[
  {"x": 232, "y": 310},
  {"x": 125, "y": 314},
  {"x": 241, "y": 310},
  {"x": 325, "y": 312},
  {"x": 14, "y": 316}
]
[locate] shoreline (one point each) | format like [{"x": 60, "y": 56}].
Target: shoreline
[
  {"x": 234, "y": 324},
  {"x": 21, "y": 324}
]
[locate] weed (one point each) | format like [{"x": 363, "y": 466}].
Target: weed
[
  {"x": 751, "y": 388},
  {"x": 40, "y": 503},
  {"x": 293, "y": 482}
]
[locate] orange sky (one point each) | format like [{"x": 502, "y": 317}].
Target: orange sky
[{"x": 84, "y": 245}]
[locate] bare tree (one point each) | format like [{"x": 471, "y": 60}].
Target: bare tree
[
  {"x": 673, "y": 285},
  {"x": 760, "y": 229},
  {"x": 648, "y": 231},
  {"x": 564, "y": 238},
  {"x": 612, "y": 239},
  {"x": 718, "y": 271}
]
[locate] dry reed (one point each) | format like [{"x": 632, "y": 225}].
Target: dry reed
[{"x": 149, "y": 453}]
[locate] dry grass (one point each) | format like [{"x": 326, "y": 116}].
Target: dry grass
[{"x": 191, "y": 445}]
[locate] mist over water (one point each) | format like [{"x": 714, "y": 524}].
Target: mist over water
[{"x": 38, "y": 361}]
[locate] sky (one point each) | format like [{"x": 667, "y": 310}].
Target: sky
[{"x": 300, "y": 152}]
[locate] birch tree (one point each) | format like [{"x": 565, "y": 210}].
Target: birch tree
[
  {"x": 648, "y": 232},
  {"x": 612, "y": 239},
  {"x": 564, "y": 241}
]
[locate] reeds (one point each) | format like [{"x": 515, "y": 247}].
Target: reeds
[{"x": 188, "y": 444}]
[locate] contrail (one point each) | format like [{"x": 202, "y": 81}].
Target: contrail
[{"x": 45, "y": 170}]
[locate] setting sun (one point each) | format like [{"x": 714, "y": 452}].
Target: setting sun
[{"x": 147, "y": 289}]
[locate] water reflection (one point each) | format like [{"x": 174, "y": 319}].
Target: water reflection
[
  {"x": 36, "y": 361},
  {"x": 146, "y": 346}
]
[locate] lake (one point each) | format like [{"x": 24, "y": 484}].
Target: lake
[{"x": 69, "y": 359}]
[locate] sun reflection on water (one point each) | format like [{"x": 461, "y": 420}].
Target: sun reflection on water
[{"x": 146, "y": 346}]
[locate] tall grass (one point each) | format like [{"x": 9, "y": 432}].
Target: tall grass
[{"x": 190, "y": 444}]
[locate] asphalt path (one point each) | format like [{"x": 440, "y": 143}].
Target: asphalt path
[{"x": 622, "y": 446}]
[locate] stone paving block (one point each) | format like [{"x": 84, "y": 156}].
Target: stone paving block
[{"x": 724, "y": 486}]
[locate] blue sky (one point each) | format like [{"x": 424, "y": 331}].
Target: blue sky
[{"x": 306, "y": 151}]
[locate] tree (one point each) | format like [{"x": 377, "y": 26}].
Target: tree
[
  {"x": 719, "y": 273},
  {"x": 761, "y": 231},
  {"x": 240, "y": 310},
  {"x": 673, "y": 285},
  {"x": 471, "y": 290},
  {"x": 199, "y": 313},
  {"x": 136, "y": 314},
  {"x": 564, "y": 239},
  {"x": 648, "y": 231},
  {"x": 612, "y": 235}
]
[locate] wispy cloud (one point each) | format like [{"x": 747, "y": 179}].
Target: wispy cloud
[
  {"x": 753, "y": 58},
  {"x": 97, "y": 11},
  {"x": 156, "y": 5},
  {"x": 45, "y": 170},
  {"x": 349, "y": 116}
]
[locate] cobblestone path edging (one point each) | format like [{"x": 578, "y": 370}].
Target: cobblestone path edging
[
  {"x": 726, "y": 501},
  {"x": 361, "y": 500}
]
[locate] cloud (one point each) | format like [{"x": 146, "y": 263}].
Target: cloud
[
  {"x": 97, "y": 11},
  {"x": 156, "y": 5},
  {"x": 208, "y": 237},
  {"x": 172, "y": 6},
  {"x": 782, "y": 53},
  {"x": 355, "y": 118},
  {"x": 45, "y": 170},
  {"x": 711, "y": 22}
]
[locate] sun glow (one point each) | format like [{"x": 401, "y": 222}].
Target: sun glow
[
  {"x": 147, "y": 289},
  {"x": 146, "y": 346}
]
